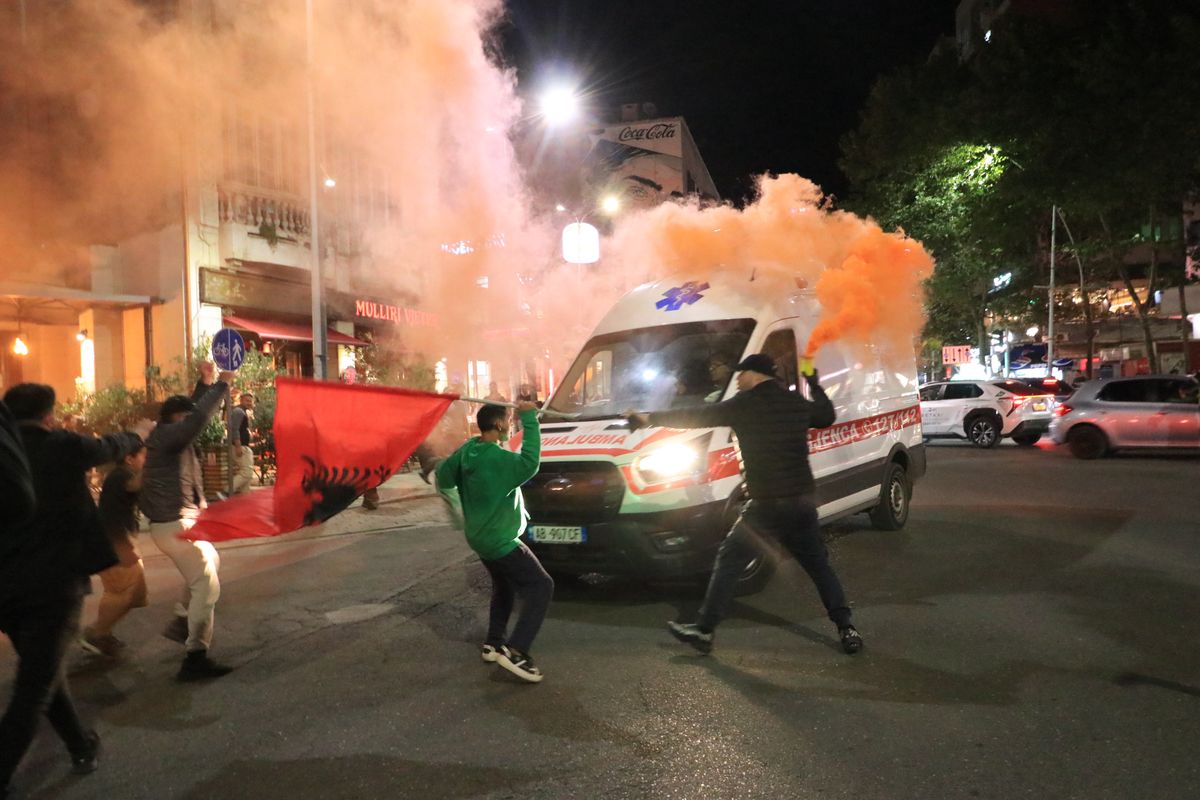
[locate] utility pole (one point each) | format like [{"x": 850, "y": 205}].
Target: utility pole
[
  {"x": 1050, "y": 326},
  {"x": 320, "y": 343}
]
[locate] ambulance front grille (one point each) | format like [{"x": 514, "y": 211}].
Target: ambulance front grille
[{"x": 574, "y": 492}]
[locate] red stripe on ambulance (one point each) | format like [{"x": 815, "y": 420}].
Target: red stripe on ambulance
[{"x": 858, "y": 430}]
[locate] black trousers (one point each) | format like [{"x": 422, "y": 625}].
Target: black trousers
[
  {"x": 41, "y": 630},
  {"x": 791, "y": 521},
  {"x": 518, "y": 575}
]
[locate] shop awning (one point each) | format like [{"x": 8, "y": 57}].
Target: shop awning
[
  {"x": 40, "y": 304},
  {"x": 287, "y": 331}
]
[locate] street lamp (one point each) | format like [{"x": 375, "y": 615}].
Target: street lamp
[
  {"x": 560, "y": 105},
  {"x": 1050, "y": 293},
  {"x": 581, "y": 241}
]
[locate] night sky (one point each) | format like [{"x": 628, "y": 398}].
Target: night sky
[{"x": 765, "y": 85}]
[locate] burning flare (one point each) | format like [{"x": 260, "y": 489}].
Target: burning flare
[{"x": 867, "y": 281}]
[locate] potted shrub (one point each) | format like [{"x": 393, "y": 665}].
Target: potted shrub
[{"x": 214, "y": 458}]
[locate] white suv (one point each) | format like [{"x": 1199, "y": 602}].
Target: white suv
[{"x": 983, "y": 412}]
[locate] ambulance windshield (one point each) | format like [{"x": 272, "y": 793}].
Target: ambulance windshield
[{"x": 653, "y": 369}]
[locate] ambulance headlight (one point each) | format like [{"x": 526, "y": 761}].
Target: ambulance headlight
[{"x": 674, "y": 461}]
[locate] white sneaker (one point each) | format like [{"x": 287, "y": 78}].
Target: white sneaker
[
  {"x": 519, "y": 664},
  {"x": 489, "y": 653}
]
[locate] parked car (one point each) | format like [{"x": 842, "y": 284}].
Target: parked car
[
  {"x": 984, "y": 412},
  {"x": 1155, "y": 411}
]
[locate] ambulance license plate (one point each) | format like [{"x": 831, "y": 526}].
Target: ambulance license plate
[{"x": 557, "y": 534}]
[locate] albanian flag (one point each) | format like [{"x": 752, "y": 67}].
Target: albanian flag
[{"x": 333, "y": 442}]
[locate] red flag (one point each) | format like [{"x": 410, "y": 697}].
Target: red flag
[{"x": 333, "y": 442}]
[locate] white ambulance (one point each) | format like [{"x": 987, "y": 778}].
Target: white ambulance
[{"x": 657, "y": 502}]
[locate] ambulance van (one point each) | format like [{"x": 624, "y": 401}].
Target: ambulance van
[{"x": 657, "y": 502}]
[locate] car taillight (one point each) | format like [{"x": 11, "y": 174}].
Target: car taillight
[
  {"x": 1017, "y": 402},
  {"x": 1062, "y": 410}
]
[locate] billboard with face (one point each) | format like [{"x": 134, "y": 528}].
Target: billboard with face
[{"x": 647, "y": 162}]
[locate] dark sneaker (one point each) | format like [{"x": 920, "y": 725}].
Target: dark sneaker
[
  {"x": 691, "y": 634},
  {"x": 177, "y": 630},
  {"x": 197, "y": 666},
  {"x": 371, "y": 500},
  {"x": 519, "y": 664},
  {"x": 86, "y": 762},
  {"x": 489, "y": 653},
  {"x": 108, "y": 646},
  {"x": 852, "y": 640},
  {"x": 425, "y": 477}
]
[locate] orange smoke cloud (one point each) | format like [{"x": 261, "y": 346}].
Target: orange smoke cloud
[
  {"x": 867, "y": 281},
  {"x": 111, "y": 107}
]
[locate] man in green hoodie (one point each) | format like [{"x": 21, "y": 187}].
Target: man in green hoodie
[{"x": 488, "y": 480}]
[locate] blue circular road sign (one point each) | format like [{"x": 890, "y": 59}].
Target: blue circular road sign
[{"x": 228, "y": 349}]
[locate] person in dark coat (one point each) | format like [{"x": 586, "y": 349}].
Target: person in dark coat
[
  {"x": 16, "y": 485},
  {"x": 45, "y": 566},
  {"x": 771, "y": 424}
]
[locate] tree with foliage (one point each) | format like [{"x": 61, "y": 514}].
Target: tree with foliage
[
  {"x": 1099, "y": 113},
  {"x": 1092, "y": 113},
  {"x": 913, "y": 166}
]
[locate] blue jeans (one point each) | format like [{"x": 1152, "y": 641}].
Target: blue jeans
[
  {"x": 791, "y": 521},
  {"x": 518, "y": 575}
]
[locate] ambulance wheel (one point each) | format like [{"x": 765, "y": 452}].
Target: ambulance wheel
[
  {"x": 759, "y": 571},
  {"x": 756, "y": 576},
  {"x": 895, "y": 497}
]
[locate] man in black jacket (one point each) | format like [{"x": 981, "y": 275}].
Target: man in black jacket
[
  {"x": 16, "y": 486},
  {"x": 771, "y": 425},
  {"x": 45, "y": 566}
]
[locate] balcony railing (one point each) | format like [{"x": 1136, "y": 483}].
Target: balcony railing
[{"x": 255, "y": 207}]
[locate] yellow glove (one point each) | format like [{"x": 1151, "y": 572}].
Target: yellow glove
[{"x": 807, "y": 369}]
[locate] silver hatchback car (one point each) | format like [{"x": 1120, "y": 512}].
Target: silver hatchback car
[{"x": 1157, "y": 411}]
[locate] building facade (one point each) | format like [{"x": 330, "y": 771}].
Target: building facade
[
  {"x": 229, "y": 245},
  {"x": 647, "y": 161}
]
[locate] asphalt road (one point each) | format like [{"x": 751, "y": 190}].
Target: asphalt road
[{"x": 1031, "y": 634}]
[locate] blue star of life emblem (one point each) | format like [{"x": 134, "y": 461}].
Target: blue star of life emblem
[{"x": 676, "y": 297}]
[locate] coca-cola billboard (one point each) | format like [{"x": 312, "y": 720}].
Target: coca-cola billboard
[
  {"x": 644, "y": 133},
  {"x": 661, "y": 136},
  {"x": 647, "y": 162}
]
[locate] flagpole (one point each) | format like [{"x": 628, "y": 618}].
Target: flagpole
[
  {"x": 320, "y": 334},
  {"x": 505, "y": 404}
]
